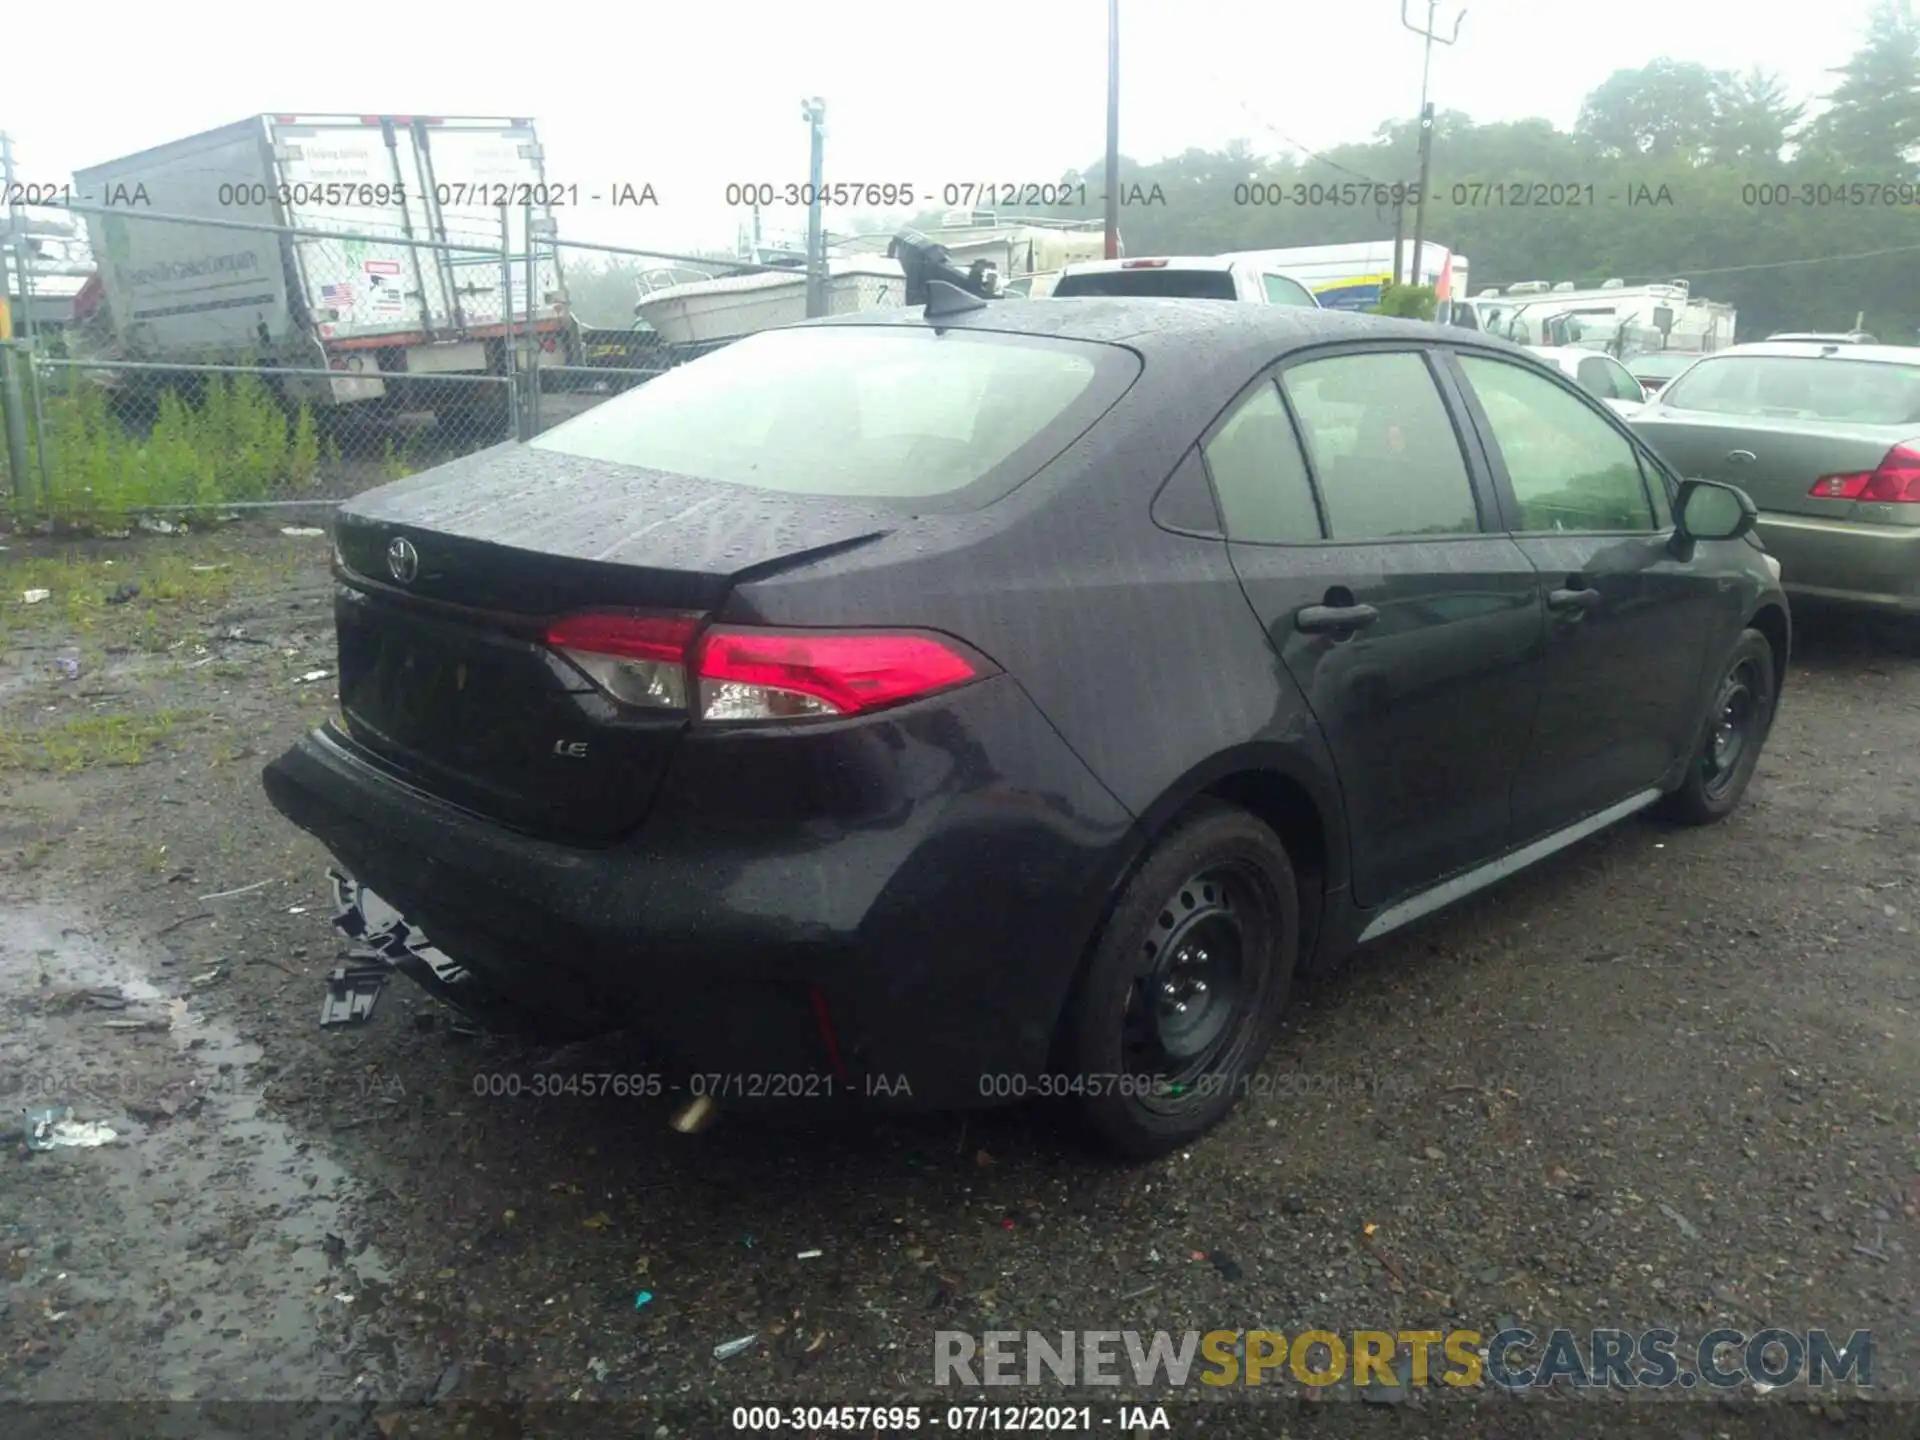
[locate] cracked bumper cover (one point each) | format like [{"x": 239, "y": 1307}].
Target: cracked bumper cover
[{"x": 940, "y": 943}]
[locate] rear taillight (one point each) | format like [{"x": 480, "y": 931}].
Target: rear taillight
[
  {"x": 1896, "y": 482},
  {"x": 637, "y": 659},
  {"x": 738, "y": 673},
  {"x": 790, "y": 674}
]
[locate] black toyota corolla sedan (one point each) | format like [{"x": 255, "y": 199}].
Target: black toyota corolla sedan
[{"x": 943, "y": 710}]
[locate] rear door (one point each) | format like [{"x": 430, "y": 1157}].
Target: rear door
[
  {"x": 359, "y": 176},
  {"x": 1370, "y": 550},
  {"x": 1627, "y": 623}
]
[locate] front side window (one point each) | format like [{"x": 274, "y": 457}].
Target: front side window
[
  {"x": 1608, "y": 379},
  {"x": 1569, "y": 468},
  {"x": 1282, "y": 291},
  {"x": 1382, "y": 446}
]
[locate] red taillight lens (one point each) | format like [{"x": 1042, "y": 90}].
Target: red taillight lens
[
  {"x": 792, "y": 674},
  {"x": 1896, "y": 482},
  {"x": 637, "y": 659},
  {"x": 741, "y": 673}
]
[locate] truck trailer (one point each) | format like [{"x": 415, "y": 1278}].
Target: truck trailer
[{"x": 382, "y": 294}]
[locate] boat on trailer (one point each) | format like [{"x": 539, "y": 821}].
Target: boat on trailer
[{"x": 704, "y": 312}]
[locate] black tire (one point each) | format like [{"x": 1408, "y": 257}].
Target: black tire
[
  {"x": 1153, "y": 1078},
  {"x": 1734, "y": 729}
]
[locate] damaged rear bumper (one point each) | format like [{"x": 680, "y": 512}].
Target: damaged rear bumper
[{"x": 929, "y": 945}]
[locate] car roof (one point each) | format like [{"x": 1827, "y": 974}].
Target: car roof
[
  {"x": 1160, "y": 262},
  {"x": 1814, "y": 349},
  {"x": 1238, "y": 336}
]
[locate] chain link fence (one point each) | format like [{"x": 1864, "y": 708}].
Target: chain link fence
[{"x": 220, "y": 363}]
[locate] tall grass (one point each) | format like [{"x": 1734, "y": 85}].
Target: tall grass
[{"x": 233, "y": 443}]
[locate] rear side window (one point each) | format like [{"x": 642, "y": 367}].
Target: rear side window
[
  {"x": 1865, "y": 392},
  {"x": 1382, "y": 446},
  {"x": 1259, "y": 474},
  {"x": 865, "y": 412},
  {"x": 1282, "y": 291},
  {"x": 1150, "y": 284}
]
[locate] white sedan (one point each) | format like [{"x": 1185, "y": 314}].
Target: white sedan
[{"x": 1599, "y": 375}]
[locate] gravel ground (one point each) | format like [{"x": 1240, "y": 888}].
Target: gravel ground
[{"x": 1670, "y": 1078}]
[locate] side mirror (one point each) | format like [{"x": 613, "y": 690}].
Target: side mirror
[{"x": 1708, "y": 510}]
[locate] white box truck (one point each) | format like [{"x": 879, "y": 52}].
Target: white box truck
[{"x": 358, "y": 307}]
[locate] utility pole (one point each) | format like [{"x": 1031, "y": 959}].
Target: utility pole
[
  {"x": 814, "y": 110},
  {"x": 1399, "y": 235},
  {"x": 1426, "y": 121},
  {"x": 1113, "y": 130}
]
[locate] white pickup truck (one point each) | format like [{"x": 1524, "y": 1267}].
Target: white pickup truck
[{"x": 1188, "y": 277}]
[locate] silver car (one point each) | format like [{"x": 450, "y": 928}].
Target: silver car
[{"x": 1825, "y": 437}]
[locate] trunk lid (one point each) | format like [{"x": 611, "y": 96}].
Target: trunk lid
[
  {"x": 443, "y": 673},
  {"x": 1788, "y": 456}
]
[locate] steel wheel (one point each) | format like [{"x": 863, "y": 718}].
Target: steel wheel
[
  {"x": 1190, "y": 998},
  {"x": 1732, "y": 733},
  {"x": 1733, "y": 729}
]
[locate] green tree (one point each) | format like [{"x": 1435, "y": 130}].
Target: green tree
[
  {"x": 1407, "y": 302},
  {"x": 1664, "y": 110},
  {"x": 1754, "y": 119},
  {"x": 1872, "y": 122}
]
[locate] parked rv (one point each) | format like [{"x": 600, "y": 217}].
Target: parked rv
[
  {"x": 1624, "y": 319},
  {"x": 361, "y": 308}
]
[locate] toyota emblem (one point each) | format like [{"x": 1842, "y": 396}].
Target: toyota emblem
[{"x": 403, "y": 561}]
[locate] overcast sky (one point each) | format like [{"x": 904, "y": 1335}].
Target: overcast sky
[{"x": 693, "y": 96}]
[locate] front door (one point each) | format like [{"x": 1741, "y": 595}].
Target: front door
[
  {"x": 1627, "y": 622},
  {"x": 1412, "y": 626}
]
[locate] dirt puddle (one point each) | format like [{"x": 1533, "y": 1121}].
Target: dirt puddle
[{"x": 206, "y": 1252}]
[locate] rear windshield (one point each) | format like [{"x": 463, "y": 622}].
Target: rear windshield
[
  {"x": 1153, "y": 284},
  {"x": 868, "y": 412},
  {"x": 1865, "y": 392}
]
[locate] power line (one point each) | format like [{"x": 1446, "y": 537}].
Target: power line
[{"x": 1304, "y": 150}]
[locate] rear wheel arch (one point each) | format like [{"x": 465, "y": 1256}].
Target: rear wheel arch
[{"x": 1281, "y": 790}]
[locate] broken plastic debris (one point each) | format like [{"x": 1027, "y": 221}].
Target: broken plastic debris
[
  {"x": 156, "y": 527},
  {"x": 313, "y": 675},
  {"x": 643, "y": 1299},
  {"x": 727, "y": 1349},
  {"x": 56, "y": 1129},
  {"x": 33, "y": 597},
  {"x": 352, "y": 994},
  {"x": 300, "y": 532},
  {"x": 67, "y": 662},
  {"x": 809, "y": 1254}
]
